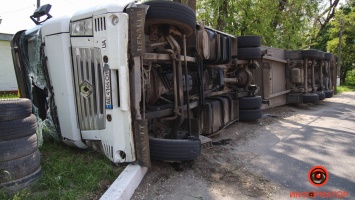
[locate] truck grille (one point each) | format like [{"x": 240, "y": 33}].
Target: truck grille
[
  {"x": 100, "y": 24},
  {"x": 89, "y": 88}
]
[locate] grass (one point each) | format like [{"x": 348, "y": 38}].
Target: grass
[
  {"x": 8, "y": 95},
  {"x": 346, "y": 88},
  {"x": 69, "y": 173}
]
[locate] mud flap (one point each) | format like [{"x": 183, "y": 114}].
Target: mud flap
[
  {"x": 136, "y": 26},
  {"x": 141, "y": 138}
]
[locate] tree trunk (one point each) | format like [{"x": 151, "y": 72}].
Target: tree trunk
[
  {"x": 223, "y": 13},
  {"x": 343, "y": 75},
  {"x": 190, "y": 3},
  {"x": 281, "y": 8}
]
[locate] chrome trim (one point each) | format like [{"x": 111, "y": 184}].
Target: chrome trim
[{"x": 88, "y": 70}]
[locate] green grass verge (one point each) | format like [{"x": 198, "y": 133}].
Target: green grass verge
[
  {"x": 69, "y": 173},
  {"x": 345, "y": 88},
  {"x": 6, "y": 96}
]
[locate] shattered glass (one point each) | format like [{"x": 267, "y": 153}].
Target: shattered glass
[{"x": 38, "y": 88}]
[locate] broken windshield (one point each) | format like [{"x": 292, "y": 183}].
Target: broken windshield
[{"x": 32, "y": 63}]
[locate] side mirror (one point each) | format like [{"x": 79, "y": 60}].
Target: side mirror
[{"x": 41, "y": 11}]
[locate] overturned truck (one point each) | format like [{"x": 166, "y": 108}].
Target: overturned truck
[{"x": 145, "y": 81}]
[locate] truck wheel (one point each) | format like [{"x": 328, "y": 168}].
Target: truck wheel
[
  {"x": 18, "y": 168},
  {"x": 249, "y": 41},
  {"x": 17, "y": 128},
  {"x": 250, "y": 115},
  {"x": 171, "y": 13},
  {"x": 248, "y": 103},
  {"x": 321, "y": 55},
  {"x": 174, "y": 150},
  {"x": 310, "y": 98},
  {"x": 321, "y": 95},
  {"x": 328, "y": 93},
  {"x": 249, "y": 53},
  {"x": 310, "y": 53},
  {"x": 11, "y": 109},
  {"x": 13, "y": 149},
  {"x": 328, "y": 56}
]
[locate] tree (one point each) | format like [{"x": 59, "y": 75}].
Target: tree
[
  {"x": 344, "y": 17},
  {"x": 281, "y": 23},
  {"x": 323, "y": 19}
]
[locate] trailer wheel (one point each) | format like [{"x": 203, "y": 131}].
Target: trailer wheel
[
  {"x": 17, "y": 128},
  {"x": 249, "y": 53},
  {"x": 328, "y": 56},
  {"x": 248, "y": 103},
  {"x": 321, "y": 55},
  {"x": 174, "y": 150},
  {"x": 11, "y": 109},
  {"x": 249, "y": 41},
  {"x": 321, "y": 95},
  {"x": 328, "y": 93},
  {"x": 171, "y": 13},
  {"x": 250, "y": 115},
  {"x": 18, "y": 168},
  {"x": 310, "y": 98},
  {"x": 310, "y": 53}
]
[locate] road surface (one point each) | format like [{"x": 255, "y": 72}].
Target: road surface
[{"x": 269, "y": 159}]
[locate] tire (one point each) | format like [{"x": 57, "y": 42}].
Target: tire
[
  {"x": 249, "y": 41},
  {"x": 174, "y": 150},
  {"x": 321, "y": 95},
  {"x": 14, "y": 149},
  {"x": 328, "y": 56},
  {"x": 23, "y": 182},
  {"x": 250, "y": 115},
  {"x": 172, "y": 13},
  {"x": 310, "y": 53},
  {"x": 10, "y": 130},
  {"x": 16, "y": 169},
  {"x": 11, "y": 109},
  {"x": 310, "y": 98},
  {"x": 321, "y": 55},
  {"x": 249, "y": 103},
  {"x": 328, "y": 93},
  {"x": 249, "y": 53}
]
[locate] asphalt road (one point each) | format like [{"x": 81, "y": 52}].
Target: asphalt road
[{"x": 321, "y": 135}]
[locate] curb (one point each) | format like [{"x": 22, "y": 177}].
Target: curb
[{"x": 126, "y": 183}]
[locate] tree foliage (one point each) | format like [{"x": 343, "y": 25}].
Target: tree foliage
[
  {"x": 344, "y": 17},
  {"x": 281, "y": 23}
]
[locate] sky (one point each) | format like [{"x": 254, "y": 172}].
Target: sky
[{"x": 15, "y": 14}]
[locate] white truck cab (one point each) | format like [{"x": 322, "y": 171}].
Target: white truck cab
[{"x": 135, "y": 81}]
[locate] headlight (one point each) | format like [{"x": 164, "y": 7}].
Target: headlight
[{"x": 81, "y": 28}]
